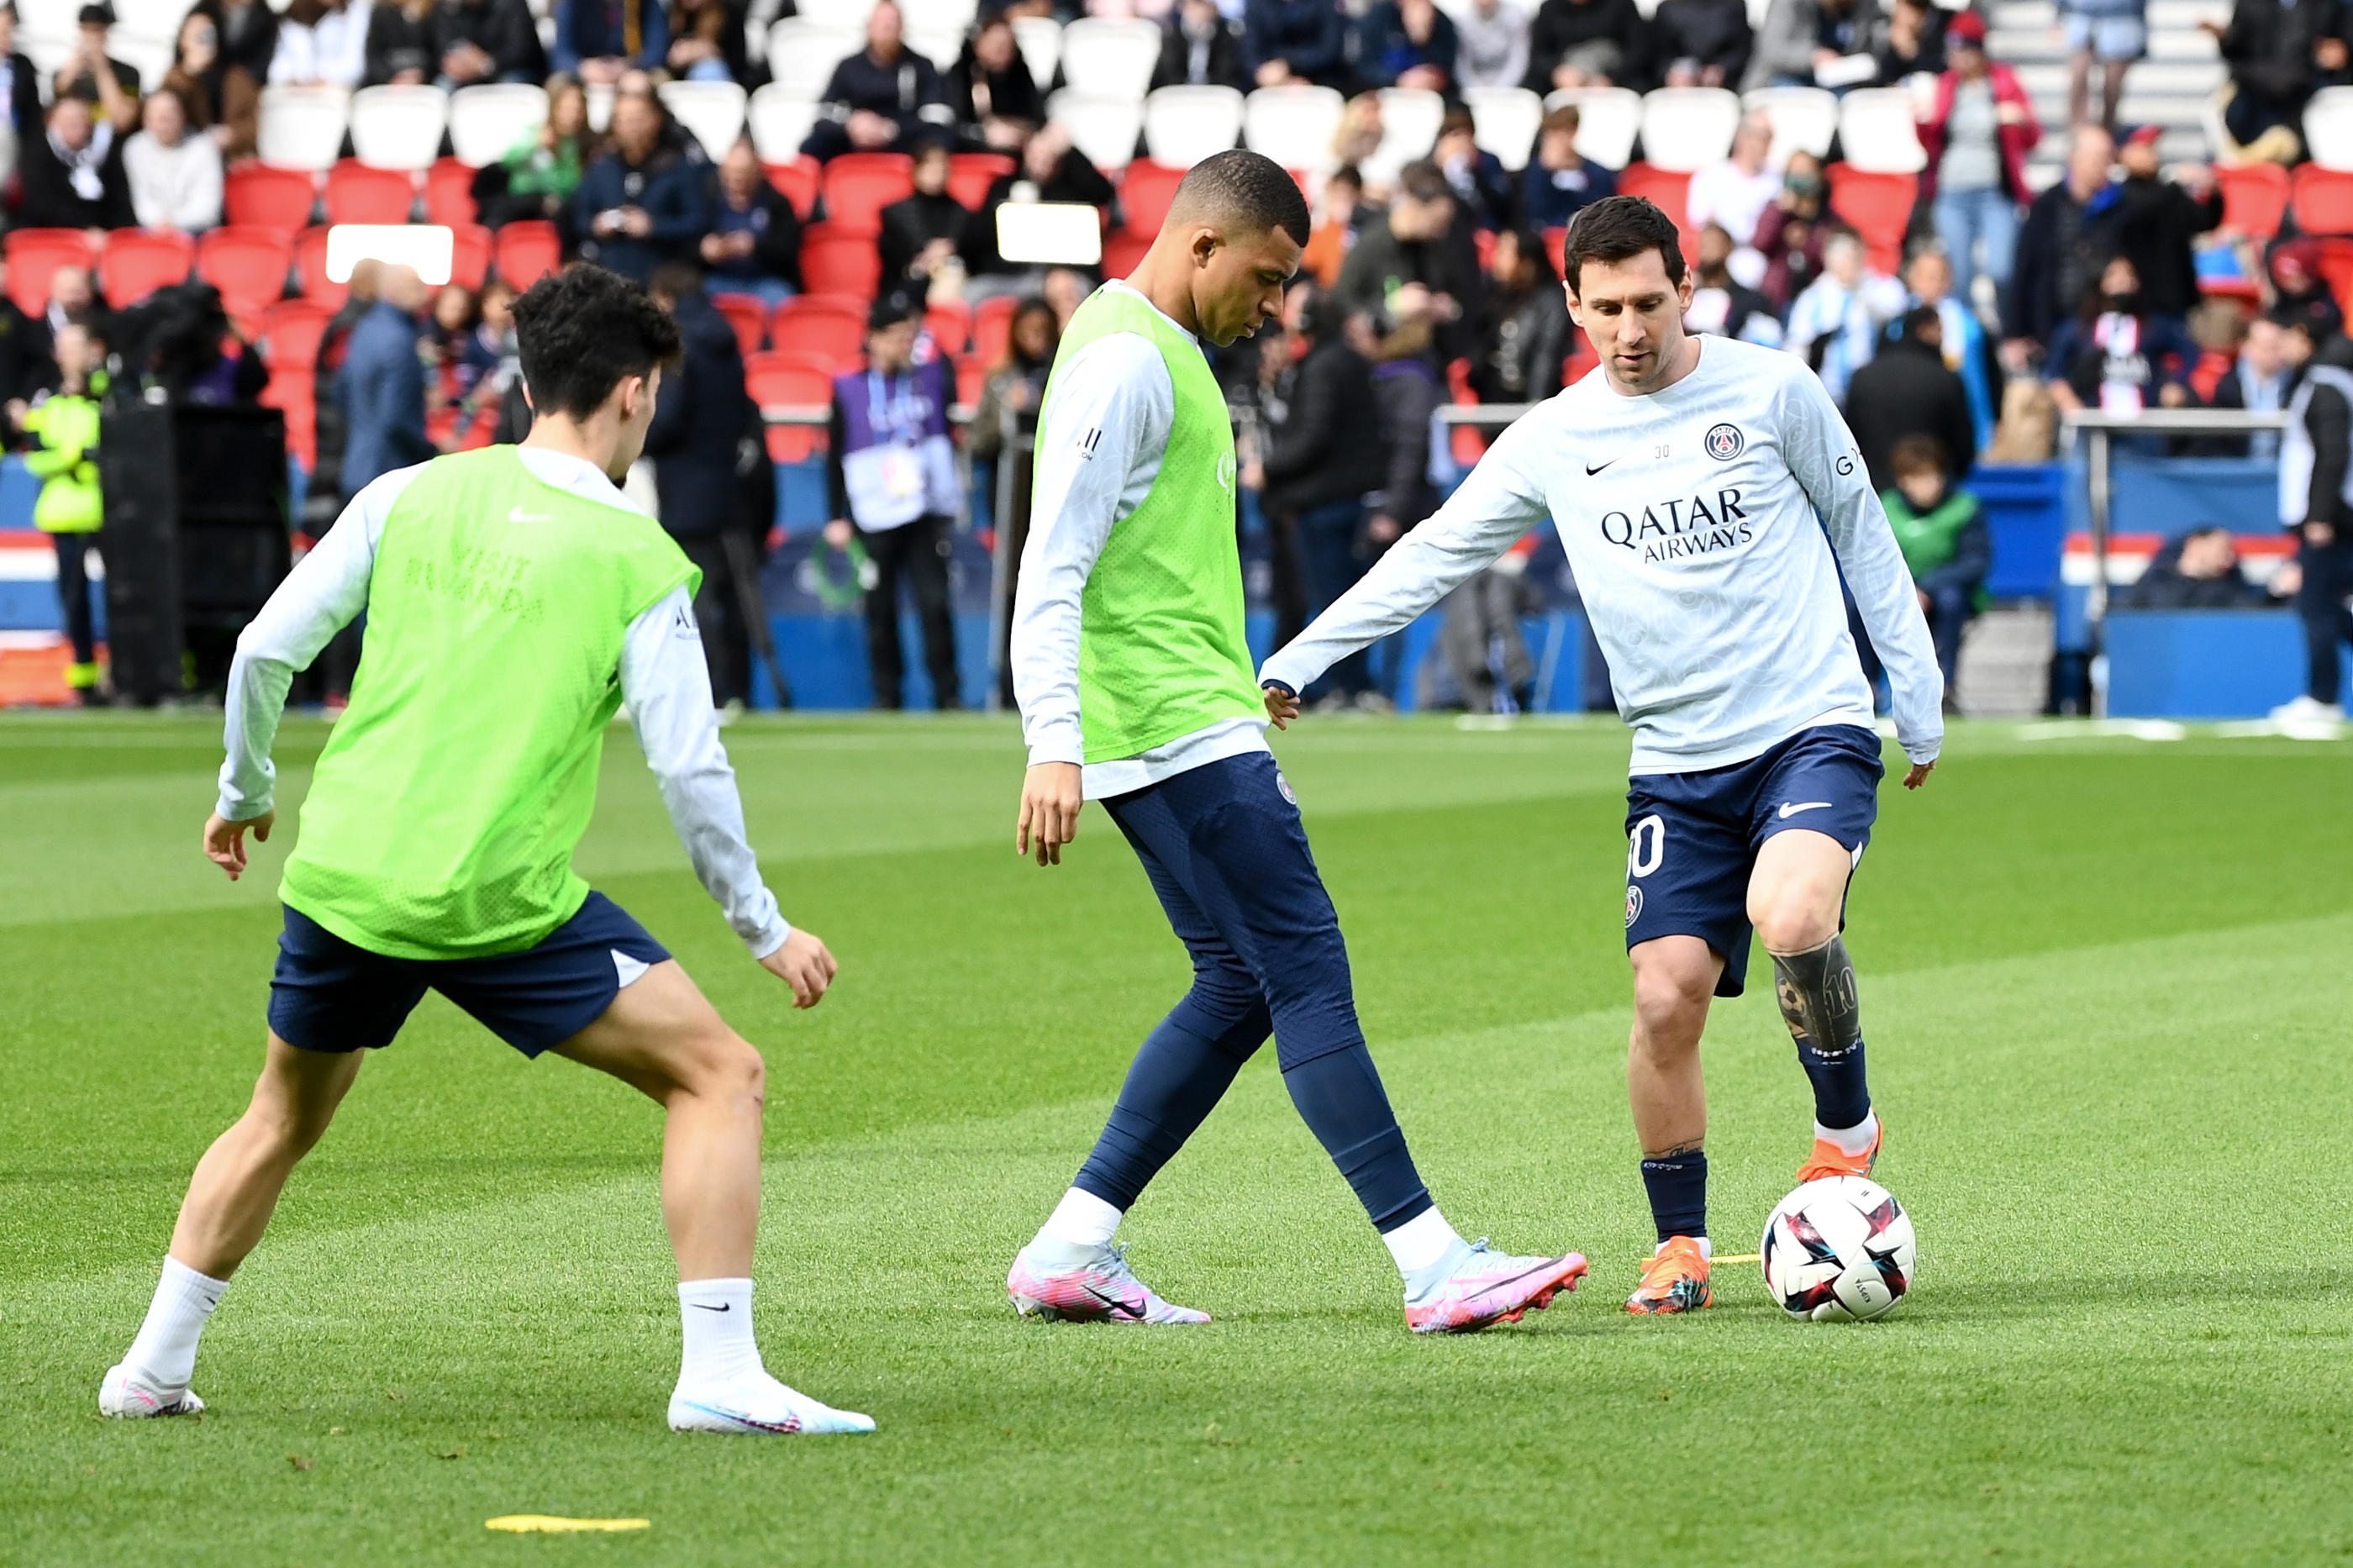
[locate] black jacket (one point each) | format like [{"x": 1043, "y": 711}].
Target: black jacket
[
  {"x": 2155, "y": 222},
  {"x": 1329, "y": 447},
  {"x": 395, "y": 44},
  {"x": 1563, "y": 25},
  {"x": 1379, "y": 261},
  {"x": 911, "y": 224},
  {"x": 1009, "y": 94},
  {"x": 1521, "y": 350},
  {"x": 776, "y": 238},
  {"x": 1217, "y": 62},
  {"x": 2059, "y": 249},
  {"x": 702, "y": 412},
  {"x": 2269, "y": 47},
  {"x": 1905, "y": 390},
  {"x": 1713, "y": 32},
  {"x": 49, "y": 200},
  {"x": 2329, "y": 422},
  {"x": 1074, "y": 180},
  {"x": 24, "y": 97},
  {"x": 909, "y": 90},
  {"x": 2163, "y": 588},
  {"x": 502, "y": 30}
]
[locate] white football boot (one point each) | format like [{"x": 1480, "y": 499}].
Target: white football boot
[
  {"x": 760, "y": 1406},
  {"x": 127, "y": 1394}
]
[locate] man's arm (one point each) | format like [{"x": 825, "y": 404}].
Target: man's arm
[
  {"x": 1500, "y": 501},
  {"x": 2330, "y": 425},
  {"x": 1822, "y": 456}
]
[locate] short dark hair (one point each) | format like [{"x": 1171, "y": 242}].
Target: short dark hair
[
  {"x": 1916, "y": 454},
  {"x": 1424, "y": 180},
  {"x": 1246, "y": 188},
  {"x": 1618, "y": 228},
  {"x": 675, "y": 280},
  {"x": 584, "y": 331},
  {"x": 1921, "y": 320}
]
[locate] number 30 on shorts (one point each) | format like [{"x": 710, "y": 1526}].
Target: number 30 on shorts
[{"x": 1646, "y": 845}]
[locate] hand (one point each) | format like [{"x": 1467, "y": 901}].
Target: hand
[
  {"x": 225, "y": 841},
  {"x": 837, "y": 533},
  {"x": 1825, "y": 57},
  {"x": 635, "y": 222},
  {"x": 869, "y": 130},
  {"x": 1274, "y": 73},
  {"x": 1428, "y": 77},
  {"x": 1253, "y": 476},
  {"x": 604, "y": 71},
  {"x": 464, "y": 63},
  {"x": 2319, "y": 535},
  {"x": 2287, "y": 581},
  {"x": 1383, "y": 529},
  {"x": 1711, "y": 76},
  {"x": 715, "y": 248},
  {"x": 17, "y": 409},
  {"x": 2211, "y": 25},
  {"x": 2329, "y": 54},
  {"x": 2008, "y": 113},
  {"x": 804, "y": 965},
  {"x": 1918, "y": 775},
  {"x": 1051, "y": 796},
  {"x": 1281, "y": 706},
  {"x": 2172, "y": 394},
  {"x": 1928, "y": 605},
  {"x": 2013, "y": 354}
]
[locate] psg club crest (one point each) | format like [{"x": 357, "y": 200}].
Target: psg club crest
[
  {"x": 1633, "y": 905},
  {"x": 1283, "y": 784},
  {"x": 1724, "y": 442}
]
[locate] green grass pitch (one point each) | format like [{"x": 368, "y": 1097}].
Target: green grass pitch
[{"x": 2105, "y": 984}]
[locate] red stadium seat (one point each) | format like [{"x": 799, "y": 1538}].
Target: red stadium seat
[
  {"x": 972, "y": 378},
  {"x": 450, "y": 194},
  {"x": 830, "y": 325},
  {"x": 1669, "y": 190},
  {"x": 256, "y": 195},
  {"x": 992, "y": 326},
  {"x": 859, "y": 185},
  {"x": 833, "y": 262},
  {"x": 2335, "y": 268},
  {"x": 1145, "y": 194},
  {"x": 1121, "y": 251},
  {"x": 1877, "y": 206},
  {"x": 527, "y": 250},
  {"x": 34, "y": 257},
  {"x": 2255, "y": 198},
  {"x": 1556, "y": 246},
  {"x": 470, "y": 254},
  {"x": 138, "y": 261},
  {"x": 950, "y": 326},
  {"x": 2324, "y": 200},
  {"x": 789, "y": 378},
  {"x": 747, "y": 316},
  {"x": 311, "y": 279},
  {"x": 971, "y": 174},
  {"x": 248, "y": 266},
  {"x": 290, "y": 332},
  {"x": 357, "y": 194},
  {"x": 291, "y": 392},
  {"x": 798, "y": 182}
]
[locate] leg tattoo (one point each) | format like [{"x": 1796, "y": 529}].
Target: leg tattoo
[{"x": 1816, "y": 990}]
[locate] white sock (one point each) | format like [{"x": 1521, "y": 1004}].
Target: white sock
[
  {"x": 165, "y": 1351},
  {"x": 717, "y": 1317},
  {"x": 1420, "y": 1242},
  {"x": 1082, "y": 1220},
  {"x": 1706, "y": 1248},
  {"x": 1853, "y": 1141}
]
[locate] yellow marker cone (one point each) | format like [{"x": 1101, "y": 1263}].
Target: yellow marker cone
[{"x": 552, "y": 1524}]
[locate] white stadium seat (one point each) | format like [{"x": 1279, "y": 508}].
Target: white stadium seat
[
  {"x": 935, "y": 16},
  {"x": 1688, "y": 128},
  {"x": 802, "y": 54},
  {"x": 302, "y": 127},
  {"x": 850, "y": 14},
  {"x": 1293, "y": 125},
  {"x": 780, "y": 123},
  {"x": 1410, "y": 121},
  {"x": 1505, "y": 121},
  {"x": 1608, "y": 117},
  {"x": 1040, "y": 39},
  {"x": 145, "y": 19},
  {"x": 485, "y": 121},
  {"x": 939, "y": 45},
  {"x": 1102, "y": 129},
  {"x": 1111, "y": 58},
  {"x": 2328, "y": 127},
  {"x": 599, "y": 96},
  {"x": 1804, "y": 119},
  {"x": 398, "y": 127},
  {"x": 151, "y": 58},
  {"x": 713, "y": 110},
  {"x": 1183, "y": 125},
  {"x": 1876, "y": 132}
]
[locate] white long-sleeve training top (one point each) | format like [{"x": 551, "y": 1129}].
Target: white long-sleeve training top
[
  {"x": 1098, "y": 451},
  {"x": 664, "y": 681},
  {"x": 1701, "y": 521}
]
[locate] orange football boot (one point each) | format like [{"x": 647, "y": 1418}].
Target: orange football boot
[
  {"x": 1829, "y": 1159},
  {"x": 1674, "y": 1280}
]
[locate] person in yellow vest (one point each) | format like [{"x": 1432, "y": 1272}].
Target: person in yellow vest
[{"x": 62, "y": 426}]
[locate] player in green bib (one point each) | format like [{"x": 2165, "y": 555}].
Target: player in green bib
[
  {"x": 1137, "y": 690},
  {"x": 515, "y": 599}
]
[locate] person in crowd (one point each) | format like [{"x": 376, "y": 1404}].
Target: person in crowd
[
  {"x": 1341, "y": 215},
  {"x": 2067, "y": 233},
  {"x": 2114, "y": 356},
  {"x": 20, "y": 79},
  {"x": 478, "y": 41},
  {"x": 25, "y": 348},
  {"x": 2316, "y": 466},
  {"x": 1906, "y": 391},
  {"x": 1976, "y": 134},
  {"x": 2299, "y": 293},
  {"x": 1482, "y": 190},
  {"x": 1065, "y": 288},
  {"x": 1417, "y": 264},
  {"x": 597, "y": 40},
  {"x": 61, "y": 425},
  {"x": 174, "y": 176},
  {"x": 700, "y": 416},
  {"x": 1790, "y": 234},
  {"x": 1704, "y": 43},
  {"x": 1524, "y": 335},
  {"x": 96, "y": 77},
  {"x": 2111, "y": 34},
  {"x": 883, "y": 98},
  {"x": 1589, "y": 43},
  {"x": 1915, "y": 43},
  {"x": 2198, "y": 570},
  {"x": 924, "y": 231},
  {"x": 1557, "y": 180},
  {"x": 2157, "y": 218},
  {"x": 996, "y": 100},
  {"x": 72, "y": 175},
  {"x": 1721, "y": 303},
  {"x": 74, "y": 303},
  {"x": 2260, "y": 381},
  {"x": 1320, "y": 461},
  {"x": 321, "y": 43},
  {"x": 706, "y": 41},
  {"x": 400, "y": 43},
  {"x": 539, "y": 175},
  {"x": 1052, "y": 170},
  {"x": 479, "y": 360},
  {"x": 1003, "y": 431},
  {"x": 1290, "y": 41},
  {"x": 643, "y": 203},
  {"x": 1941, "y": 529},
  {"x": 1491, "y": 45},
  {"x": 754, "y": 246},
  {"x": 244, "y": 38},
  {"x": 1836, "y": 322},
  {"x": 1968, "y": 349},
  {"x": 1360, "y": 132},
  {"x": 1815, "y": 43},
  {"x": 891, "y": 473},
  {"x": 1735, "y": 191},
  {"x": 1406, "y": 43},
  {"x": 323, "y": 502},
  {"x": 1408, "y": 389},
  {"x": 1199, "y": 46},
  {"x": 224, "y": 94},
  {"x": 451, "y": 371},
  {"x": 381, "y": 385},
  {"x": 2276, "y": 51}
]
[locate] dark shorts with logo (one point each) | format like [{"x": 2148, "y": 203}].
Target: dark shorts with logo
[
  {"x": 329, "y": 995},
  {"x": 1691, "y": 838}
]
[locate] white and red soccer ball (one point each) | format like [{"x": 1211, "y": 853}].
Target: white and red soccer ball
[{"x": 1841, "y": 1247}]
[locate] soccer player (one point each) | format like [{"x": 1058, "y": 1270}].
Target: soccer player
[
  {"x": 1135, "y": 689},
  {"x": 515, "y": 601},
  {"x": 1709, "y": 497}
]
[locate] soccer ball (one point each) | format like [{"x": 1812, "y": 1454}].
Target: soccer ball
[{"x": 1838, "y": 1248}]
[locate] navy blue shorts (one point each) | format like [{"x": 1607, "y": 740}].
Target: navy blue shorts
[
  {"x": 1691, "y": 838},
  {"x": 329, "y": 995}
]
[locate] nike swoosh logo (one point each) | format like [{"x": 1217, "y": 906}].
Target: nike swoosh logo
[
  {"x": 722, "y": 1307},
  {"x": 1593, "y": 468},
  {"x": 1788, "y": 810},
  {"x": 516, "y": 514},
  {"x": 1113, "y": 1303}
]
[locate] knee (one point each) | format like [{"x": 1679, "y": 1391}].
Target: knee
[
  {"x": 1792, "y": 921},
  {"x": 1671, "y": 1000},
  {"x": 724, "y": 1065}
]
